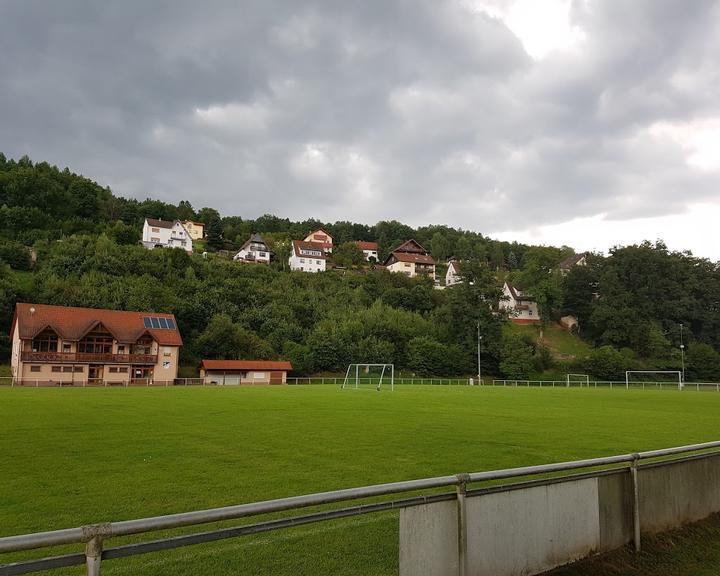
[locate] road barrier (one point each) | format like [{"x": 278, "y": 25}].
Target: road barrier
[{"x": 556, "y": 519}]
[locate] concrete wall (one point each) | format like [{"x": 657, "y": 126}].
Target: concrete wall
[{"x": 533, "y": 528}]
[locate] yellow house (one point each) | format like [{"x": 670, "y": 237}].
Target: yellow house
[
  {"x": 66, "y": 346},
  {"x": 195, "y": 229}
]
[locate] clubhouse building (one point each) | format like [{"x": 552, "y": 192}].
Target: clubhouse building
[{"x": 67, "y": 346}]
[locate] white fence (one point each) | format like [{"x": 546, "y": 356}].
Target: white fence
[{"x": 612, "y": 384}]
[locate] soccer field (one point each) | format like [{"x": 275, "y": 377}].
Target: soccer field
[{"x": 76, "y": 456}]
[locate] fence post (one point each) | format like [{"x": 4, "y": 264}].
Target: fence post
[
  {"x": 636, "y": 502},
  {"x": 462, "y": 523}
]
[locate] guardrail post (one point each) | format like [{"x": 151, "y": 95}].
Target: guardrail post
[
  {"x": 93, "y": 556},
  {"x": 462, "y": 523},
  {"x": 636, "y": 501}
]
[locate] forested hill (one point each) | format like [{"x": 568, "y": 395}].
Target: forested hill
[{"x": 630, "y": 304}]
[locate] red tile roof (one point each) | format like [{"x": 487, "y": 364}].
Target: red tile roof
[
  {"x": 246, "y": 365},
  {"x": 72, "y": 323},
  {"x": 299, "y": 245},
  {"x": 366, "y": 245}
]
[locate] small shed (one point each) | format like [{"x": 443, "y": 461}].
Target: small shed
[{"x": 234, "y": 372}]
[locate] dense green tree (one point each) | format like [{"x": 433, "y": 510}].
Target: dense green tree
[
  {"x": 703, "y": 363},
  {"x": 516, "y": 357},
  {"x": 607, "y": 363}
]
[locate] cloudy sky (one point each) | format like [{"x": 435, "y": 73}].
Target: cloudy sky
[{"x": 587, "y": 122}]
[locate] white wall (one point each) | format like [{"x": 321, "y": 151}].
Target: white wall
[{"x": 306, "y": 264}]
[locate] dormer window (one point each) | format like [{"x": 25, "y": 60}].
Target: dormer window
[{"x": 46, "y": 341}]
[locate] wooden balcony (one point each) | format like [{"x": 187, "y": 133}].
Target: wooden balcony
[{"x": 89, "y": 358}]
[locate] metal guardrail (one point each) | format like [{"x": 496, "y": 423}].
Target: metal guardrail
[{"x": 94, "y": 536}]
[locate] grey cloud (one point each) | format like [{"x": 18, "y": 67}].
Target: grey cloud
[{"x": 423, "y": 111}]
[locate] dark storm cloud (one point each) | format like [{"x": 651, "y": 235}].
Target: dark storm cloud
[{"x": 424, "y": 111}]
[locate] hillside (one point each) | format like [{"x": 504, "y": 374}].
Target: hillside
[{"x": 630, "y": 305}]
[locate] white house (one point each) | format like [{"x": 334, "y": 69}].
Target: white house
[
  {"x": 307, "y": 256},
  {"x": 452, "y": 276},
  {"x": 166, "y": 234},
  {"x": 254, "y": 250},
  {"x": 369, "y": 249},
  {"x": 523, "y": 309},
  {"x": 574, "y": 260}
]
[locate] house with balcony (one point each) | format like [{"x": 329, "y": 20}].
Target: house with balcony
[
  {"x": 68, "y": 346},
  {"x": 522, "y": 308},
  {"x": 411, "y": 259},
  {"x": 369, "y": 249},
  {"x": 307, "y": 256},
  {"x": 320, "y": 236},
  {"x": 195, "y": 229},
  {"x": 166, "y": 234},
  {"x": 254, "y": 251}
]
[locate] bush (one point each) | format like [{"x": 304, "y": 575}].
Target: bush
[
  {"x": 516, "y": 357},
  {"x": 606, "y": 363},
  {"x": 15, "y": 255},
  {"x": 703, "y": 363}
]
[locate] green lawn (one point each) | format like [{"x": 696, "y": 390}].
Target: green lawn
[{"x": 75, "y": 456}]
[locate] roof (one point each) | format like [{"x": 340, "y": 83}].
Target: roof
[
  {"x": 517, "y": 295},
  {"x": 410, "y": 246},
  {"x": 319, "y": 230},
  {"x": 160, "y": 223},
  {"x": 411, "y": 257},
  {"x": 570, "y": 261},
  {"x": 193, "y": 223},
  {"x": 302, "y": 245},
  {"x": 256, "y": 238},
  {"x": 363, "y": 245},
  {"x": 454, "y": 265},
  {"x": 73, "y": 323},
  {"x": 246, "y": 365}
]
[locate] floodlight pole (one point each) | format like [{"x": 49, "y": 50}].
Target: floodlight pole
[
  {"x": 479, "y": 340},
  {"x": 682, "y": 354}
]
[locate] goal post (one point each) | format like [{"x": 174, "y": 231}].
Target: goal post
[
  {"x": 676, "y": 373},
  {"x": 369, "y": 376},
  {"x": 583, "y": 379}
]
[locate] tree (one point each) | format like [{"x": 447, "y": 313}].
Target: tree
[
  {"x": 214, "y": 233},
  {"x": 427, "y": 357},
  {"x": 516, "y": 357},
  {"x": 348, "y": 255},
  {"x": 606, "y": 363},
  {"x": 226, "y": 340},
  {"x": 703, "y": 362}
]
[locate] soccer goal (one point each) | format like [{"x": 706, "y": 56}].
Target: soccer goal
[
  {"x": 369, "y": 377},
  {"x": 578, "y": 379},
  {"x": 645, "y": 374}
]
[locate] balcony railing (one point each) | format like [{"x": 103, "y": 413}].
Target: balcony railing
[{"x": 87, "y": 358}]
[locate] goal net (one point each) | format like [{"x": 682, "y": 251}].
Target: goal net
[
  {"x": 578, "y": 380},
  {"x": 656, "y": 377},
  {"x": 369, "y": 377}
]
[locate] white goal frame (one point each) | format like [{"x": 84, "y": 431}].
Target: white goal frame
[
  {"x": 681, "y": 384},
  {"x": 348, "y": 383},
  {"x": 585, "y": 377}
]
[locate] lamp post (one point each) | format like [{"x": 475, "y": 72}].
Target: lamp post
[
  {"x": 479, "y": 340},
  {"x": 682, "y": 354}
]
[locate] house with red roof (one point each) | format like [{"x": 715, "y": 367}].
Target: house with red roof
[
  {"x": 234, "y": 372},
  {"x": 320, "y": 236},
  {"x": 369, "y": 249},
  {"x": 69, "y": 346},
  {"x": 411, "y": 259}
]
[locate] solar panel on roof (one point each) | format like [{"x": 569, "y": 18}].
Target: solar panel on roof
[
  {"x": 163, "y": 323},
  {"x": 146, "y": 321},
  {"x": 171, "y": 324},
  {"x": 155, "y": 322}
]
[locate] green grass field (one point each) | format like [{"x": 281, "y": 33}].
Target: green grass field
[{"x": 76, "y": 456}]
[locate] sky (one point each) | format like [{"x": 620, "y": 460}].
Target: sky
[{"x": 585, "y": 123}]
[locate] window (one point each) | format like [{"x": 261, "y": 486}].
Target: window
[
  {"x": 154, "y": 239},
  {"x": 68, "y": 369},
  {"x": 142, "y": 346},
  {"x": 34, "y": 368},
  {"x": 123, "y": 369},
  {"x": 113, "y": 370},
  {"x": 78, "y": 369},
  {"x": 66, "y": 347},
  {"x": 319, "y": 262},
  {"x": 155, "y": 229},
  {"x": 263, "y": 254},
  {"x": 46, "y": 341},
  {"x": 302, "y": 260},
  {"x": 57, "y": 368},
  {"x": 121, "y": 349},
  {"x": 96, "y": 343},
  {"x": 259, "y": 375}
]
